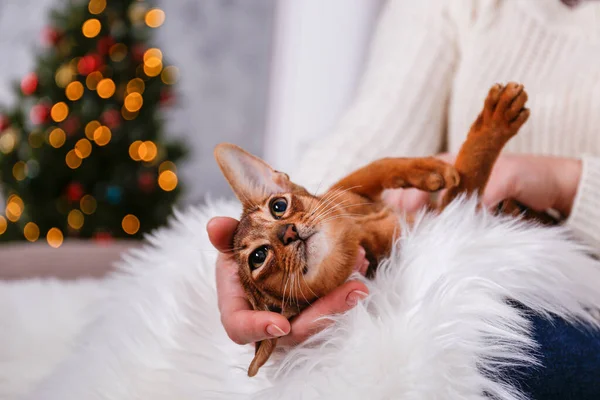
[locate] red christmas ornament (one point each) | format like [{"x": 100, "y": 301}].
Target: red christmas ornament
[
  {"x": 89, "y": 63},
  {"x": 50, "y": 36},
  {"x": 4, "y": 122},
  {"x": 137, "y": 53},
  {"x": 147, "y": 182},
  {"x": 74, "y": 191},
  {"x": 103, "y": 237},
  {"x": 29, "y": 84},
  {"x": 104, "y": 45},
  {"x": 111, "y": 118},
  {"x": 39, "y": 114},
  {"x": 71, "y": 125},
  {"x": 166, "y": 97}
]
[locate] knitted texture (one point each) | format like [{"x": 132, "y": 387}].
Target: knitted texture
[{"x": 430, "y": 67}]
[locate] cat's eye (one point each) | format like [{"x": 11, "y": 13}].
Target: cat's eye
[
  {"x": 278, "y": 207},
  {"x": 257, "y": 257}
]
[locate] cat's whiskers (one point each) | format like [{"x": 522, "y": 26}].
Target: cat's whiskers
[
  {"x": 334, "y": 217},
  {"x": 329, "y": 199},
  {"x": 306, "y": 283},
  {"x": 332, "y": 210},
  {"x": 336, "y": 193},
  {"x": 326, "y": 200}
]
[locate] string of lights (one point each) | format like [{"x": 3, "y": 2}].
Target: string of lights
[{"x": 94, "y": 102}]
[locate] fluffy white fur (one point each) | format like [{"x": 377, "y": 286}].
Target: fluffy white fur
[{"x": 436, "y": 324}]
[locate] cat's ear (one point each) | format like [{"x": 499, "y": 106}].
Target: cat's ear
[{"x": 251, "y": 179}]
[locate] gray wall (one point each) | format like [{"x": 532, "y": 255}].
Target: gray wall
[{"x": 222, "y": 48}]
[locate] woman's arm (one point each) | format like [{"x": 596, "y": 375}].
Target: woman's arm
[
  {"x": 400, "y": 107},
  {"x": 584, "y": 218}
]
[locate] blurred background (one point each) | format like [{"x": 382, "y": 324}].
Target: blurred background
[{"x": 110, "y": 109}]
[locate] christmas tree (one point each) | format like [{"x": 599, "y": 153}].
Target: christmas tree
[{"x": 82, "y": 152}]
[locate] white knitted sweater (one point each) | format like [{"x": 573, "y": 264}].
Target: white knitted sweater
[{"x": 431, "y": 65}]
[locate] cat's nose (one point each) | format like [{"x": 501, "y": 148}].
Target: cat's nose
[{"x": 288, "y": 234}]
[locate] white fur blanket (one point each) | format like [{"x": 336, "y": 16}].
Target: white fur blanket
[{"x": 436, "y": 324}]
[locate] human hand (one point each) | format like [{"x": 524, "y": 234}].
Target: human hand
[
  {"x": 245, "y": 325},
  {"x": 538, "y": 182}
]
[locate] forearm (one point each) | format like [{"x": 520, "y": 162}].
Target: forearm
[{"x": 584, "y": 218}]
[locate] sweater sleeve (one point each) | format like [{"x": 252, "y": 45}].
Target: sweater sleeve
[
  {"x": 585, "y": 215},
  {"x": 400, "y": 107}
]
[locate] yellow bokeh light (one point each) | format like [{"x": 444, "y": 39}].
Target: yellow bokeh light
[
  {"x": 54, "y": 237},
  {"x": 153, "y": 62},
  {"x": 106, "y": 88},
  {"x": 3, "y": 224},
  {"x": 167, "y": 166},
  {"x": 134, "y": 150},
  {"x": 170, "y": 75},
  {"x": 127, "y": 115},
  {"x": 102, "y": 136},
  {"x": 31, "y": 231},
  {"x": 64, "y": 75},
  {"x": 59, "y": 111},
  {"x": 19, "y": 170},
  {"x": 154, "y": 69},
  {"x": 91, "y": 28},
  {"x": 8, "y": 140},
  {"x": 130, "y": 224},
  {"x": 74, "y": 91},
  {"x": 72, "y": 159},
  {"x": 96, "y": 6},
  {"x": 57, "y": 138},
  {"x": 152, "y": 53},
  {"x": 133, "y": 102},
  {"x": 148, "y": 151},
  {"x": 88, "y": 204},
  {"x": 118, "y": 52},
  {"x": 167, "y": 180},
  {"x": 93, "y": 79},
  {"x": 90, "y": 128},
  {"x": 83, "y": 148},
  {"x": 155, "y": 18},
  {"x": 75, "y": 219},
  {"x": 136, "y": 85},
  {"x": 14, "y": 208}
]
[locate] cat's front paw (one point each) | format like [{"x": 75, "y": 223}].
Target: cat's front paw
[{"x": 430, "y": 174}]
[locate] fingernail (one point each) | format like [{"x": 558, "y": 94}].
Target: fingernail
[
  {"x": 275, "y": 331},
  {"x": 354, "y": 296}
]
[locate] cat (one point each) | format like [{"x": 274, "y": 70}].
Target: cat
[{"x": 293, "y": 247}]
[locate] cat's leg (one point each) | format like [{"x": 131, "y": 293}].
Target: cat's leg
[
  {"x": 503, "y": 114},
  {"x": 426, "y": 173}
]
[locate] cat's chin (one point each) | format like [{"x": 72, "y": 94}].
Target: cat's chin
[{"x": 317, "y": 249}]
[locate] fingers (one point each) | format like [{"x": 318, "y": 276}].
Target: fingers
[
  {"x": 338, "y": 301},
  {"x": 362, "y": 264},
  {"x": 247, "y": 326},
  {"x": 242, "y": 324},
  {"x": 220, "y": 232},
  {"x": 408, "y": 200}
]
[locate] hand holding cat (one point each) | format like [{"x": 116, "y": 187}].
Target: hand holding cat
[
  {"x": 244, "y": 325},
  {"x": 538, "y": 182}
]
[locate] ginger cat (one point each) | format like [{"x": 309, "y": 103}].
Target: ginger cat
[{"x": 293, "y": 247}]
